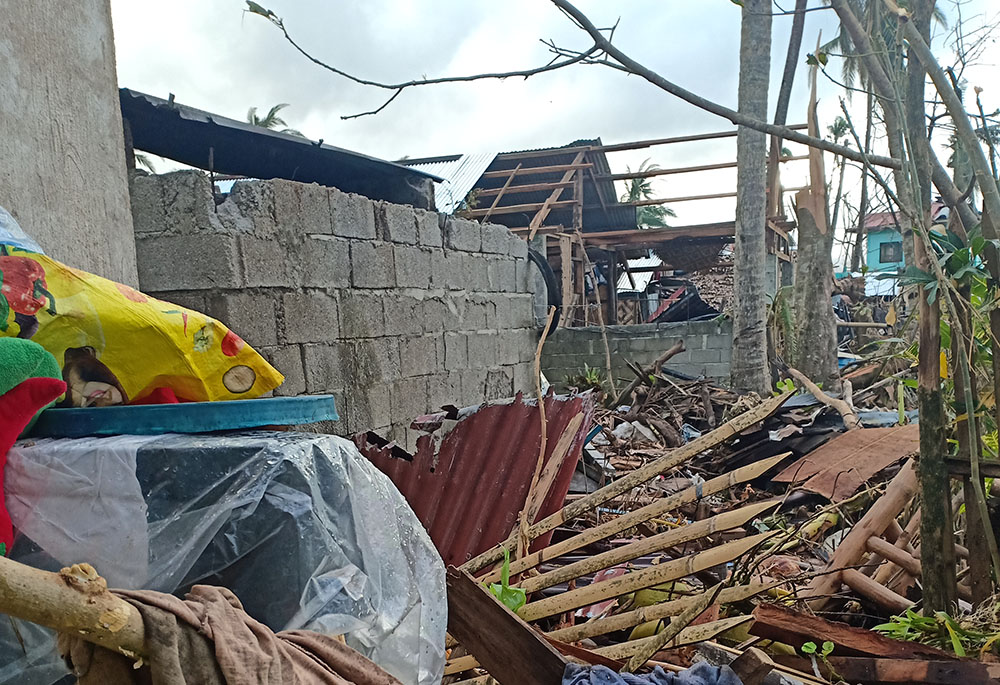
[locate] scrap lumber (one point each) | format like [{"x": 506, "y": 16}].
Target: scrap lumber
[
  {"x": 692, "y": 531},
  {"x": 653, "y": 369},
  {"x": 900, "y": 491},
  {"x": 689, "y": 636},
  {"x": 649, "y": 577},
  {"x": 75, "y": 601},
  {"x": 879, "y": 594},
  {"x": 655, "y": 612},
  {"x": 777, "y": 623},
  {"x": 506, "y": 646},
  {"x": 851, "y": 419},
  {"x": 752, "y": 666},
  {"x": 654, "y": 509},
  {"x": 641, "y": 475},
  {"x": 870, "y": 670}
]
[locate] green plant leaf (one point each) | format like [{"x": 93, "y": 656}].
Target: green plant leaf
[
  {"x": 827, "y": 649},
  {"x": 808, "y": 648}
]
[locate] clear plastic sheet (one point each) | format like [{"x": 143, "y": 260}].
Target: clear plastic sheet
[
  {"x": 12, "y": 234},
  {"x": 303, "y": 529}
]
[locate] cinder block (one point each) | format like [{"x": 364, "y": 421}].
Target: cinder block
[
  {"x": 301, "y": 208},
  {"x": 482, "y": 350},
  {"x": 436, "y": 316},
  {"x": 428, "y": 228},
  {"x": 509, "y": 351},
  {"x": 361, "y": 315},
  {"x": 464, "y": 235},
  {"x": 323, "y": 262},
  {"x": 408, "y": 399},
  {"x": 444, "y": 266},
  {"x": 444, "y": 389},
  {"x": 474, "y": 312},
  {"x": 476, "y": 273},
  {"x": 353, "y": 216},
  {"x": 522, "y": 311},
  {"x": 456, "y": 351},
  {"x": 395, "y": 223},
  {"x": 495, "y": 238},
  {"x": 250, "y": 315},
  {"x": 723, "y": 340},
  {"x": 372, "y": 265},
  {"x": 499, "y": 384},
  {"x": 149, "y": 216},
  {"x": 418, "y": 356},
  {"x": 187, "y": 262},
  {"x": 527, "y": 278},
  {"x": 193, "y": 300},
  {"x": 374, "y": 360},
  {"x": 187, "y": 201},
  {"x": 502, "y": 277},
  {"x": 718, "y": 371},
  {"x": 503, "y": 314},
  {"x": 517, "y": 247},
  {"x": 364, "y": 408},
  {"x": 310, "y": 317},
  {"x": 524, "y": 379},
  {"x": 403, "y": 315},
  {"x": 250, "y": 208},
  {"x": 703, "y": 356},
  {"x": 288, "y": 360},
  {"x": 473, "y": 387},
  {"x": 266, "y": 263},
  {"x": 413, "y": 267},
  {"x": 327, "y": 367}
]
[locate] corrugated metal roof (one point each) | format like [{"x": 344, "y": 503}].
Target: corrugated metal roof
[
  {"x": 468, "y": 492},
  {"x": 642, "y": 278},
  {"x": 459, "y": 174}
]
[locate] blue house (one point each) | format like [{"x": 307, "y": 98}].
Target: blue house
[{"x": 885, "y": 242}]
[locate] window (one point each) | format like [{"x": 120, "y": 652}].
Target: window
[{"x": 890, "y": 253}]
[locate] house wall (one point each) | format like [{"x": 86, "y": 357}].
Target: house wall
[
  {"x": 708, "y": 349},
  {"x": 875, "y": 240},
  {"x": 395, "y": 310},
  {"x": 62, "y": 159}
]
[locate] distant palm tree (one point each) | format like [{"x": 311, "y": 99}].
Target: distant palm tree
[
  {"x": 271, "y": 120},
  {"x": 636, "y": 189}
]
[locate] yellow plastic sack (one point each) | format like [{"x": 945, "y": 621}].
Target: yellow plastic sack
[{"x": 116, "y": 345}]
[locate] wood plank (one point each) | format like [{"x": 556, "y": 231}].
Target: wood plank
[
  {"x": 496, "y": 200},
  {"x": 640, "y": 144},
  {"x": 879, "y": 594},
  {"x": 793, "y": 628},
  {"x": 514, "y": 209},
  {"x": 896, "y": 555},
  {"x": 752, "y": 666},
  {"x": 534, "y": 171},
  {"x": 868, "y": 670},
  {"x": 553, "y": 198},
  {"x": 506, "y": 646},
  {"x": 525, "y": 188},
  {"x": 565, "y": 278}
]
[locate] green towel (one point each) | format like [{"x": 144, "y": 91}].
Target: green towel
[{"x": 23, "y": 359}]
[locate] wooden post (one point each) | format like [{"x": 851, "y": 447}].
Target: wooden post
[
  {"x": 612, "y": 287},
  {"x": 566, "y": 279}
]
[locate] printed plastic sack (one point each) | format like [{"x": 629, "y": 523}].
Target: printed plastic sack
[
  {"x": 118, "y": 346},
  {"x": 12, "y": 234}
]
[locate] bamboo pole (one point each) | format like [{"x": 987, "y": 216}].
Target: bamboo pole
[
  {"x": 633, "y": 518},
  {"x": 650, "y": 545},
  {"x": 881, "y": 595},
  {"x": 630, "y": 582},
  {"x": 671, "y": 630},
  {"x": 688, "y": 636},
  {"x": 641, "y": 475},
  {"x": 75, "y": 601}
]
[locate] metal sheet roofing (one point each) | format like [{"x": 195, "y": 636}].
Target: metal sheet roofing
[
  {"x": 642, "y": 278},
  {"x": 209, "y": 141},
  {"x": 469, "y": 491},
  {"x": 459, "y": 174}
]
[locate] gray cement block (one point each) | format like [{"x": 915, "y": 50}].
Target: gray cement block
[
  {"x": 266, "y": 264},
  {"x": 483, "y": 350},
  {"x": 187, "y": 262},
  {"x": 517, "y": 247},
  {"x": 718, "y": 371},
  {"x": 250, "y": 315},
  {"x": 495, "y": 238},
  {"x": 413, "y": 267},
  {"x": 149, "y": 215},
  {"x": 436, "y": 316},
  {"x": 522, "y": 314},
  {"x": 288, "y": 360},
  {"x": 444, "y": 389},
  {"x": 361, "y": 315},
  {"x": 473, "y": 387},
  {"x": 372, "y": 265},
  {"x": 187, "y": 201},
  {"x": 524, "y": 379},
  {"x": 499, "y": 384},
  {"x": 456, "y": 351},
  {"x": 473, "y": 312},
  {"x": 310, "y": 317},
  {"x": 194, "y": 300},
  {"x": 525, "y": 274},
  {"x": 365, "y": 408},
  {"x": 428, "y": 228},
  {"x": 353, "y": 215},
  {"x": 408, "y": 399},
  {"x": 327, "y": 367},
  {"x": 476, "y": 273},
  {"x": 403, "y": 315},
  {"x": 464, "y": 235},
  {"x": 418, "y": 356},
  {"x": 250, "y": 208},
  {"x": 395, "y": 223},
  {"x": 509, "y": 349},
  {"x": 301, "y": 208},
  {"x": 374, "y": 360},
  {"x": 323, "y": 262},
  {"x": 703, "y": 356},
  {"x": 502, "y": 277}
]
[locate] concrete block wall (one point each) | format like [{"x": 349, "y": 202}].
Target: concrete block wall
[
  {"x": 395, "y": 310},
  {"x": 708, "y": 349}
]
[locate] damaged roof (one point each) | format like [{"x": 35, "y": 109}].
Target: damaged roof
[{"x": 216, "y": 143}]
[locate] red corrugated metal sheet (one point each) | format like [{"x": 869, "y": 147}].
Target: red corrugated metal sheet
[{"x": 468, "y": 492}]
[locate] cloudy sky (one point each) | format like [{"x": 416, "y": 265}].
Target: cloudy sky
[{"x": 214, "y": 56}]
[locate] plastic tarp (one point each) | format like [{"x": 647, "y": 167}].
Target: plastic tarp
[{"x": 306, "y": 532}]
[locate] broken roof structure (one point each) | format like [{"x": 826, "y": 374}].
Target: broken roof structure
[{"x": 222, "y": 145}]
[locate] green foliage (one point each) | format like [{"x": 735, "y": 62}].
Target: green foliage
[
  {"x": 822, "y": 652},
  {"x": 636, "y": 189},
  {"x": 817, "y": 59},
  {"x": 512, "y": 597},
  {"x": 3, "y": 549},
  {"x": 590, "y": 378},
  {"x": 271, "y": 120},
  {"x": 940, "y": 630},
  {"x": 785, "y": 385}
]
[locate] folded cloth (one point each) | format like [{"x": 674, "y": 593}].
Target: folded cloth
[
  {"x": 208, "y": 639},
  {"x": 700, "y": 674}
]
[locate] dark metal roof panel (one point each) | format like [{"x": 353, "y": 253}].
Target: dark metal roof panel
[
  {"x": 469, "y": 491},
  {"x": 209, "y": 141}
]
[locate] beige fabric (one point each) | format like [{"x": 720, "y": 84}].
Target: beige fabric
[{"x": 207, "y": 639}]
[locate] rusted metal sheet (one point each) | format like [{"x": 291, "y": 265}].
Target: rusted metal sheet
[
  {"x": 839, "y": 467},
  {"x": 469, "y": 490}
]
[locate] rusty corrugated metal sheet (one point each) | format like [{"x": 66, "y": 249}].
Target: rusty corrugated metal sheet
[{"x": 469, "y": 491}]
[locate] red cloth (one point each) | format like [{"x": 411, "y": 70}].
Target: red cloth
[{"x": 17, "y": 407}]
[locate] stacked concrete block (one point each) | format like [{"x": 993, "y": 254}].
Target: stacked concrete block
[
  {"x": 707, "y": 349},
  {"x": 396, "y": 311}
]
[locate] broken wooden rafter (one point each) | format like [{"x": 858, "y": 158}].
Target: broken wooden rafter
[
  {"x": 515, "y": 209},
  {"x": 525, "y": 188},
  {"x": 553, "y": 199},
  {"x": 877, "y": 670},
  {"x": 681, "y": 170},
  {"x": 533, "y": 171},
  {"x": 637, "y": 477},
  {"x": 499, "y": 194}
]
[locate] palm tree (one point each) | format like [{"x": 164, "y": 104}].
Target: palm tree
[
  {"x": 271, "y": 120},
  {"x": 636, "y": 189}
]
